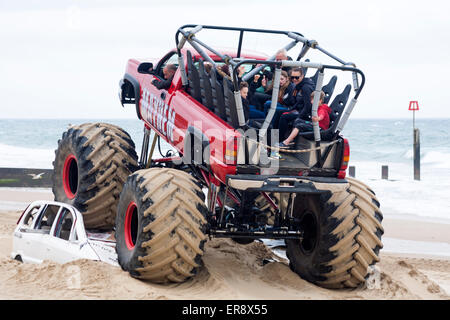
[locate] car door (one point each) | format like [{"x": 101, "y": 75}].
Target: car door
[
  {"x": 61, "y": 243},
  {"x": 43, "y": 227},
  {"x": 25, "y": 237},
  {"x": 155, "y": 103}
]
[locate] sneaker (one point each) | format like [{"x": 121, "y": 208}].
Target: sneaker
[
  {"x": 274, "y": 154},
  {"x": 281, "y": 145}
]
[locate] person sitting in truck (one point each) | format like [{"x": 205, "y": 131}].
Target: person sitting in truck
[
  {"x": 298, "y": 102},
  {"x": 280, "y": 56},
  {"x": 284, "y": 98},
  {"x": 250, "y": 111},
  {"x": 168, "y": 71},
  {"x": 302, "y": 91},
  {"x": 301, "y": 125}
]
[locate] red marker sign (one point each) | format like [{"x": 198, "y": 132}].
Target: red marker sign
[{"x": 413, "y": 106}]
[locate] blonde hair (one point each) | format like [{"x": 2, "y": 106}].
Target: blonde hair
[{"x": 322, "y": 95}]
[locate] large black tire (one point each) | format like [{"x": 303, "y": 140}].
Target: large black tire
[
  {"x": 342, "y": 237},
  {"x": 92, "y": 163},
  {"x": 160, "y": 225}
]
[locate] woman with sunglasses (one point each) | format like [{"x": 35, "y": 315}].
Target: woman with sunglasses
[{"x": 299, "y": 102}]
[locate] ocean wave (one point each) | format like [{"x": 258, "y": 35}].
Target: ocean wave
[
  {"x": 21, "y": 157},
  {"x": 437, "y": 159}
]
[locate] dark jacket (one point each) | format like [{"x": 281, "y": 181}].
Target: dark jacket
[
  {"x": 287, "y": 97},
  {"x": 301, "y": 98},
  {"x": 162, "y": 84},
  {"x": 246, "y": 107}
]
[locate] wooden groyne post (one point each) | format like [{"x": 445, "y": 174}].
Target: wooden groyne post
[
  {"x": 414, "y": 106},
  {"x": 416, "y": 154},
  {"x": 385, "y": 172}
]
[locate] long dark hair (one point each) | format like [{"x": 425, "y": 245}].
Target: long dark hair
[{"x": 283, "y": 87}]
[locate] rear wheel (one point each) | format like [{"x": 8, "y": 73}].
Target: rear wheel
[
  {"x": 342, "y": 237},
  {"x": 92, "y": 162},
  {"x": 160, "y": 225}
]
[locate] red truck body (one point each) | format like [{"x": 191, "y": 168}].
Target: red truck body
[{"x": 170, "y": 113}]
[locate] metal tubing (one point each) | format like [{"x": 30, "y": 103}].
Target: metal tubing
[
  {"x": 195, "y": 30},
  {"x": 241, "y": 36},
  {"x": 346, "y": 115},
  {"x": 301, "y": 64},
  {"x": 330, "y": 55},
  {"x": 315, "y": 105},
  {"x": 355, "y": 81},
  {"x": 155, "y": 137},
  {"x": 272, "y": 58},
  {"x": 209, "y": 48},
  {"x": 240, "y": 29},
  {"x": 144, "y": 149},
  {"x": 273, "y": 105},
  {"x": 186, "y": 35},
  {"x": 223, "y": 206},
  {"x": 184, "y": 80},
  {"x": 297, "y": 37},
  {"x": 182, "y": 43},
  {"x": 239, "y": 108},
  {"x": 193, "y": 43},
  {"x": 303, "y": 52}
]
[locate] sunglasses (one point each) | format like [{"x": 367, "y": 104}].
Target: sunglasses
[{"x": 295, "y": 77}]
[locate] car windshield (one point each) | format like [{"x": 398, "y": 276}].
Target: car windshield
[{"x": 29, "y": 218}]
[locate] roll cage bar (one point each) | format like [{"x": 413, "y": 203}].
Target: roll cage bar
[{"x": 190, "y": 37}]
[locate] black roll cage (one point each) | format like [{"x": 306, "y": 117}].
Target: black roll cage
[{"x": 190, "y": 37}]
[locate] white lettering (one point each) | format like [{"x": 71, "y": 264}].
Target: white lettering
[
  {"x": 158, "y": 114},
  {"x": 199, "y": 310}
]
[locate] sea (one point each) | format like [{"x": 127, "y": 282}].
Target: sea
[{"x": 31, "y": 143}]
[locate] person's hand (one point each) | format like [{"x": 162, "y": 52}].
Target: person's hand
[
  {"x": 315, "y": 119},
  {"x": 256, "y": 78}
]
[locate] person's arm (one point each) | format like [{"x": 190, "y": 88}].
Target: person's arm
[
  {"x": 304, "y": 105},
  {"x": 320, "y": 116},
  {"x": 289, "y": 101},
  {"x": 254, "y": 84},
  {"x": 163, "y": 84}
]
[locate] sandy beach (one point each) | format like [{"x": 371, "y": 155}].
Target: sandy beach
[{"x": 231, "y": 271}]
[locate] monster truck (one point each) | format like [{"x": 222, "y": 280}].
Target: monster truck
[{"x": 159, "y": 207}]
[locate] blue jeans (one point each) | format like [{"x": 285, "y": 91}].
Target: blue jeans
[
  {"x": 255, "y": 113},
  {"x": 278, "y": 111}
]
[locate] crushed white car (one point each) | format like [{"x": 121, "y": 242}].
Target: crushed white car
[{"x": 54, "y": 231}]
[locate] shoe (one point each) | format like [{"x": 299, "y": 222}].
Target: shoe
[
  {"x": 281, "y": 145},
  {"x": 275, "y": 155}
]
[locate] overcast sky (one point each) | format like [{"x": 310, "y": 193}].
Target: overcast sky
[{"x": 64, "y": 58}]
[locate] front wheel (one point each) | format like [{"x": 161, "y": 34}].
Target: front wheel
[
  {"x": 92, "y": 162},
  {"x": 160, "y": 225},
  {"x": 342, "y": 237}
]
